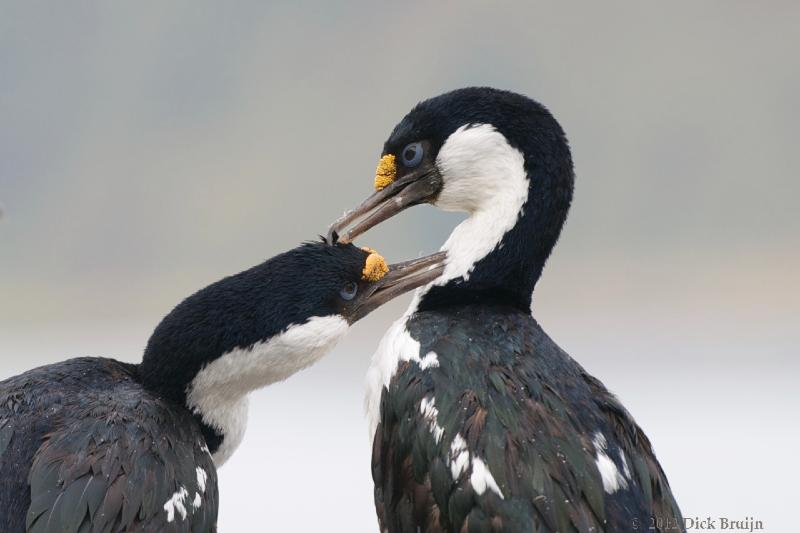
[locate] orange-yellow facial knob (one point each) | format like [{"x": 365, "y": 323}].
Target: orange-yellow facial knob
[
  {"x": 375, "y": 266},
  {"x": 386, "y": 172}
]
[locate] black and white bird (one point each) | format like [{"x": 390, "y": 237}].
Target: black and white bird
[
  {"x": 98, "y": 445},
  {"x": 480, "y": 422}
]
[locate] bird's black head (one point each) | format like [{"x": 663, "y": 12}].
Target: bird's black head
[
  {"x": 266, "y": 323},
  {"x": 497, "y": 155}
]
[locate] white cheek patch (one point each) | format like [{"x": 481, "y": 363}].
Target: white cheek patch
[
  {"x": 218, "y": 393},
  {"x": 484, "y": 176}
]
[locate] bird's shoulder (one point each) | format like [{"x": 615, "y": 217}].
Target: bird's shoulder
[
  {"x": 85, "y": 446},
  {"x": 506, "y": 432}
]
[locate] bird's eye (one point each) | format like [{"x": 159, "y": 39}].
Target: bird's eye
[
  {"x": 412, "y": 155},
  {"x": 349, "y": 290}
]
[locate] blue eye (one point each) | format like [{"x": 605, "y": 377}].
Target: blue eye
[
  {"x": 349, "y": 291},
  {"x": 411, "y": 155}
]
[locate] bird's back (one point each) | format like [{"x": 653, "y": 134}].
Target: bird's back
[
  {"x": 84, "y": 447},
  {"x": 492, "y": 427}
]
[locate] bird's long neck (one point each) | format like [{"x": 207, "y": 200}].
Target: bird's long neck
[
  {"x": 217, "y": 395},
  {"x": 497, "y": 254},
  {"x": 171, "y": 383},
  {"x": 222, "y": 427},
  {"x": 214, "y": 387}
]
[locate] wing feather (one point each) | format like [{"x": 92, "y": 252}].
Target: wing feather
[
  {"x": 84, "y": 448},
  {"x": 507, "y": 399}
]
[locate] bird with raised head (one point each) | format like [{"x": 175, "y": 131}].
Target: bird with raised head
[
  {"x": 93, "y": 444},
  {"x": 479, "y": 421}
]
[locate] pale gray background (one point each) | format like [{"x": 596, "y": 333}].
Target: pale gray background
[{"x": 148, "y": 149}]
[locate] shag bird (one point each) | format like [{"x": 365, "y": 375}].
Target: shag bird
[
  {"x": 480, "y": 422},
  {"x": 98, "y": 445}
]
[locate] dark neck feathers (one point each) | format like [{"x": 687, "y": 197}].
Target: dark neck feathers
[{"x": 509, "y": 273}]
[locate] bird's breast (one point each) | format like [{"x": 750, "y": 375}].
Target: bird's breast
[{"x": 397, "y": 345}]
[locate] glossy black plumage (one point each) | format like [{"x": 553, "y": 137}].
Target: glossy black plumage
[
  {"x": 97, "y": 445},
  {"x": 526, "y": 409},
  {"x": 509, "y": 273},
  {"x": 245, "y": 308},
  {"x": 85, "y": 447},
  {"x": 563, "y": 451}
]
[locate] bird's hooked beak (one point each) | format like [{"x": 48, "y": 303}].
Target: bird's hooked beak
[
  {"x": 399, "y": 279},
  {"x": 392, "y": 195}
]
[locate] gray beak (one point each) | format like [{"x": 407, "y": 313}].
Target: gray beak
[
  {"x": 420, "y": 186},
  {"x": 401, "y": 278}
]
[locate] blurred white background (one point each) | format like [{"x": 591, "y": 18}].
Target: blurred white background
[{"x": 148, "y": 149}]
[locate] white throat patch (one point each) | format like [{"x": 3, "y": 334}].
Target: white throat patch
[
  {"x": 218, "y": 393},
  {"x": 485, "y": 176}
]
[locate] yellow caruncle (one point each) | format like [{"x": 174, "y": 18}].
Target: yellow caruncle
[
  {"x": 386, "y": 172},
  {"x": 375, "y": 266}
]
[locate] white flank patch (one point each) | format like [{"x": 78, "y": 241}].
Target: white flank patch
[
  {"x": 218, "y": 392},
  {"x": 610, "y": 474},
  {"x": 482, "y": 478},
  {"x": 175, "y": 503},
  {"x": 431, "y": 360},
  {"x": 484, "y": 176},
  {"x": 431, "y": 414},
  {"x": 201, "y": 479},
  {"x": 459, "y": 457},
  {"x": 198, "y": 501},
  {"x": 625, "y": 469}
]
